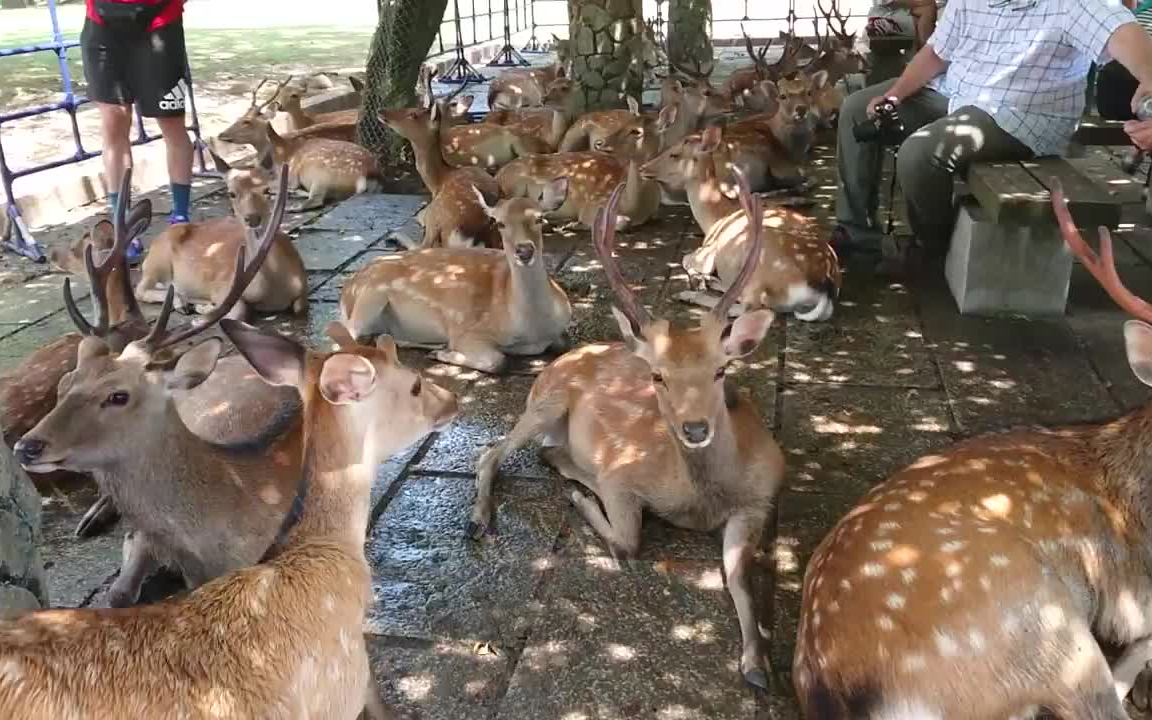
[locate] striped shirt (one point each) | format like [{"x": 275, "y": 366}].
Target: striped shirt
[{"x": 1024, "y": 62}]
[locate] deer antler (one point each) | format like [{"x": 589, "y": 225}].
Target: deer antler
[
  {"x": 845, "y": 37},
  {"x": 754, "y": 212},
  {"x": 757, "y": 57},
  {"x": 787, "y": 62},
  {"x": 160, "y": 338},
  {"x": 1102, "y": 266},
  {"x": 275, "y": 95},
  {"x": 603, "y": 238},
  {"x": 125, "y": 227}
]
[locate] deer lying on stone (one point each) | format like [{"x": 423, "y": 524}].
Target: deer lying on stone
[
  {"x": 1001, "y": 576},
  {"x": 797, "y": 272},
  {"x": 290, "y": 100},
  {"x": 298, "y": 615},
  {"x": 549, "y": 122},
  {"x": 526, "y": 87},
  {"x": 648, "y": 424},
  {"x": 198, "y": 258},
  {"x": 248, "y": 129},
  {"x": 453, "y": 218},
  {"x": 482, "y": 304},
  {"x": 199, "y": 506}
]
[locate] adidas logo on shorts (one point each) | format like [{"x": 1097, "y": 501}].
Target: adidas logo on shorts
[{"x": 174, "y": 98}]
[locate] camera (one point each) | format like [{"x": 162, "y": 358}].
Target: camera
[{"x": 886, "y": 127}]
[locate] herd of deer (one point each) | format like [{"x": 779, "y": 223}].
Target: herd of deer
[{"x": 979, "y": 582}]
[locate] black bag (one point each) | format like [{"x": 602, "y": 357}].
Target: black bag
[{"x": 128, "y": 16}]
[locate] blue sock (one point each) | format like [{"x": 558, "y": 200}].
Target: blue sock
[
  {"x": 181, "y": 199},
  {"x": 113, "y": 198}
]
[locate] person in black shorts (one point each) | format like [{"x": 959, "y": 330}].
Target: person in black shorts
[{"x": 133, "y": 52}]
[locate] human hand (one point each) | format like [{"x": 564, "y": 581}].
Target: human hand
[
  {"x": 1140, "y": 131},
  {"x": 873, "y": 103},
  {"x": 1142, "y": 92}
]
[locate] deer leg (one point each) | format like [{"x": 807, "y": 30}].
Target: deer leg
[
  {"x": 540, "y": 415},
  {"x": 137, "y": 564},
  {"x": 741, "y": 537},
  {"x": 98, "y": 517},
  {"x": 561, "y": 461},
  {"x": 472, "y": 352},
  {"x": 1125, "y": 670},
  {"x": 618, "y": 523},
  {"x": 316, "y": 196}
]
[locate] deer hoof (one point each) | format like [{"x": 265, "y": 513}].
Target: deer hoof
[
  {"x": 118, "y": 598},
  {"x": 757, "y": 678},
  {"x": 476, "y": 530}
]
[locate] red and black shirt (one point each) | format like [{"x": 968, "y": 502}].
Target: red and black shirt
[{"x": 172, "y": 11}]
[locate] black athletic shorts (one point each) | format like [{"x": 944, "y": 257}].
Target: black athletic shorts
[{"x": 150, "y": 68}]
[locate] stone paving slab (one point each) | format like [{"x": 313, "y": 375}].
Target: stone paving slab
[
  {"x": 441, "y": 680},
  {"x": 431, "y": 581},
  {"x": 76, "y": 567},
  {"x": 373, "y": 214},
  {"x": 658, "y": 640}
]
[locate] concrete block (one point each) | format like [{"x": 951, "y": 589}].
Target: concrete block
[{"x": 993, "y": 269}]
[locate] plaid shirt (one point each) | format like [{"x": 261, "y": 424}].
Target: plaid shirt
[{"x": 1024, "y": 62}]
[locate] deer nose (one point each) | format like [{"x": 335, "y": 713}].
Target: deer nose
[
  {"x": 696, "y": 431},
  {"x": 28, "y": 450},
  {"x": 525, "y": 252},
  {"x": 252, "y": 220}
]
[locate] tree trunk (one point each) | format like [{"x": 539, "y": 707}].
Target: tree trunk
[
  {"x": 608, "y": 50},
  {"x": 401, "y": 42},
  {"x": 689, "y": 26}
]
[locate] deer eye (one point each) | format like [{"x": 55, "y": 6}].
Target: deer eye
[
  {"x": 657, "y": 378},
  {"x": 118, "y": 398},
  {"x": 416, "y": 388}
]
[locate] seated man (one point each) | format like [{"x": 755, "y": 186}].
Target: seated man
[
  {"x": 1114, "y": 84},
  {"x": 997, "y": 80}
]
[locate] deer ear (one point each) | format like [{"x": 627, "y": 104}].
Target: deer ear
[
  {"x": 279, "y": 360},
  {"x": 102, "y": 236},
  {"x": 554, "y": 194},
  {"x": 819, "y": 79},
  {"x": 1138, "y": 344},
  {"x": 667, "y": 117},
  {"x": 489, "y": 210},
  {"x": 357, "y": 83},
  {"x": 347, "y": 378},
  {"x": 633, "y": 336},
  {"x": 194, "y": 366},
  {"x": 267, "y": 162},
  {"x": 747, "y": 332},
  {"x": 222, "y": 165}
]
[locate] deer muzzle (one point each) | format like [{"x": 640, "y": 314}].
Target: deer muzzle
[
  {"x": 697, "y": 433},
  {"x": 525, "y": 253},
  {"x": 28, "y": 451}
]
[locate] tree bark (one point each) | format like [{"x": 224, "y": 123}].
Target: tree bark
[
  {"x": 608, "y": 50},
  {"x": 689, "y": 29},
  {"x": 403, "y": 37}
]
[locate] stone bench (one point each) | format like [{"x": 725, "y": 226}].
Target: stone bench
[{"x": 1006, "y": 254}]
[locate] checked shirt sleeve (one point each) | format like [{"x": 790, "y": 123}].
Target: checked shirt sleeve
[
  {"x": 1090, "y": 25},
  {"x": 949, "y": 30}
]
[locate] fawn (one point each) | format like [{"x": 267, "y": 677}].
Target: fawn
[{"x": 648, "y": 424}]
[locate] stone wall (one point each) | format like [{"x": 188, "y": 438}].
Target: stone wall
[
  {"x": 22, "y": 582},
  {"x": 607, "y": 49}
]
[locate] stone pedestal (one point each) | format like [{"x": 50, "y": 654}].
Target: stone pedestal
[
  {"x": 993, "y": 269},
  {"x": 22, "y": 582},
  {"x": 608, "y": 51}
]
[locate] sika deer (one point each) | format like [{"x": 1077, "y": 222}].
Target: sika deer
[
  {"x": 524, "y": 87},
  {"x": 482, "y": 304},
  {"x": 986, "y": 580},
  {"x": 798, "y": 271},
  {"x": 198, "y": 258},
  {"x": 201, "y": 507},
  {"x": 281, "y": 639},
  {"x": 453, "y": 218},
  {"x": 290, "y": 100},
  {"x": 550, "y": 122},
  {"x": 648, "y": 424},
  {"x": 596, "y": 126}
]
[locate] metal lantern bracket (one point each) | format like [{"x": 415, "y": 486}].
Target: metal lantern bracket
[
  {"x": 533, "y": 47},
  {"x": 460, "y": 71},
  {"x": 507, "y": 55}
]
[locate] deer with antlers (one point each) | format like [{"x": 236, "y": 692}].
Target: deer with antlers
[
  {"x": 248, "y": 129},
  {"x": 797, "y": 272},
  {"x": 649, "y": 424},
  {"x": 290, "y": 99},
  {"x": 999, "y": 577},
  {"x": 199, "y": 506},
  {"x": 299, "y": 614},
  {"x": 453, "y": 218},
  {"x": 473, "y": 306},
  {"x": 744, "y": 79},
  {"x": 197, "y": 258}
]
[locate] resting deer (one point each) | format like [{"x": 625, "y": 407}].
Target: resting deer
[
  {"x": 798, "y": 271},
  {"x": 201, "y": 507},
  {"x": 248, "y": 129},
  {"x": 986, "y": 579},
  {"x": 648, "y": 424},
  {"x": 549, "y": 122},
  {"x": 743, "y": 79},
  {"x": 281, "y": 639},
  {"x": 453, "y": 218},
  {"x": 198, "y": 258},
  {"x": 482, "y": 304},
  {"x": 526, "y": 87},
  {"x": 453, "y": 109},
  {"x": 290, "y": 100}
]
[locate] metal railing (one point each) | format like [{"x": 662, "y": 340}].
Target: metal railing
[{"x": 18, "y": 238}]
